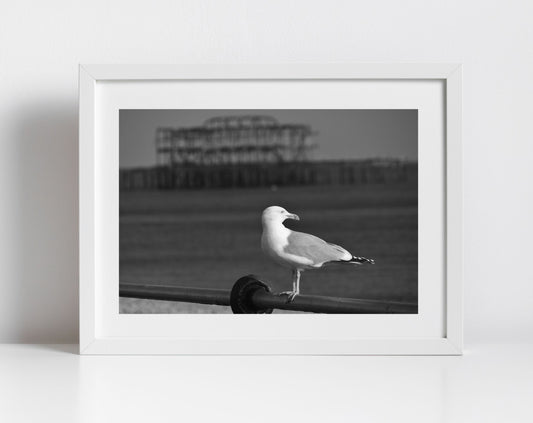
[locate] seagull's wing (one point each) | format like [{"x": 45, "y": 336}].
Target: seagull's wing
[{"x": 315, "y": 249}]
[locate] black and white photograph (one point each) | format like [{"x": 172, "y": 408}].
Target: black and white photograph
[{"x": 268, "y": 211}]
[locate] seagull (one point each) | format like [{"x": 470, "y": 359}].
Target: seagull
[{"x": 299, "y": 251}]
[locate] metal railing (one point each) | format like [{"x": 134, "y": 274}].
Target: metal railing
[{"x": 249, "y": 295}]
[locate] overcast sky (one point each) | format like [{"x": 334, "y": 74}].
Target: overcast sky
[{"x": 341, "y": 134}]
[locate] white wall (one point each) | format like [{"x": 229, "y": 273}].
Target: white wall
[{"x": 42, "y": 42}]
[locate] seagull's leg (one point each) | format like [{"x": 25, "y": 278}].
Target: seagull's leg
[{"x": 295, "y": 286}]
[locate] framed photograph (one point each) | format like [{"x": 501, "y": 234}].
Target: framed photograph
[{"x": 270, "y": 209}]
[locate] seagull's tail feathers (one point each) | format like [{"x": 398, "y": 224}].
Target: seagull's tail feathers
[
  {"x": 359, "y": 260},
  {"x": 343, "y": 256}
]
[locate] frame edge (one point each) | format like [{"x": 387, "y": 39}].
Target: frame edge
[
  {"x": 454, "y": 209},
  {"x": 271, "y": 71},
  {"x": 86, "y": 204}
]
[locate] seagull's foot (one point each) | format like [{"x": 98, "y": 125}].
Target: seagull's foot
[{"x": 291, "y": 295}]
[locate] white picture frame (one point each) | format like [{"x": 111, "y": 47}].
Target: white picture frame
[{"x": 102, "y": 334}]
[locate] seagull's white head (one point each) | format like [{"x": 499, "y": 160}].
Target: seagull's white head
[{"x": 276, "y": 214}]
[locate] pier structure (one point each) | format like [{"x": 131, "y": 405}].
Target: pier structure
[
  {"x": 252, "y": 151},
  {"x": 234, "y": 140}
]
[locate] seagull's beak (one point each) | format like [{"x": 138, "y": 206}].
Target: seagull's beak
[{"x": 293, "y": 216}]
